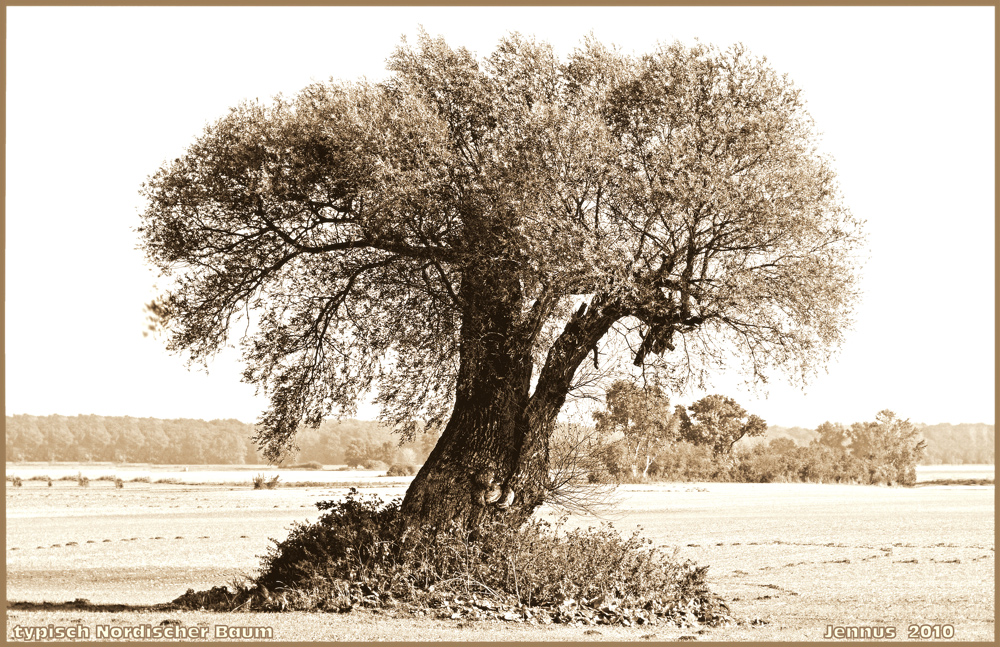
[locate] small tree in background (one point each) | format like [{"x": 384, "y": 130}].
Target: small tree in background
[
  {"x": 832, "y": 434},
  {"x": 642, "y": 416},
  {"x": 719, "y": 422},
  {"x": 887, "y": 449}
]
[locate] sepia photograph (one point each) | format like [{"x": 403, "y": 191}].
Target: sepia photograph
[{"x": 496, "y": 323}]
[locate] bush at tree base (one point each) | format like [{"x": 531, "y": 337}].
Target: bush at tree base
[{"x": 353, "y": 556}]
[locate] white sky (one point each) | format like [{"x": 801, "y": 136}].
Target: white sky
[{"x": 98, "y": 98}]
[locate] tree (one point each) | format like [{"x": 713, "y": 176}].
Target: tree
[
  {"x": 718, "y": 422},
  {"x": 92, "y": 438},
  {"x": 59, "y": 438},
  {"x": 225, "y": 447},
  {"x": 889, "y": 446},
  {"x": 461, "y": 237},
  {"x": 24, "y": 440},
  {"x": 158, "y": 447},
  {"x": 127, "y": 440},
  {"x": 643, "y": 417},
  {"x": 832, "y": 434},
  {"x": 359, "y": 452}
]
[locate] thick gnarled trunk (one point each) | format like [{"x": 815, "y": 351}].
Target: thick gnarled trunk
[
  {"x": 493, "y": 457},
  {"x": 475, "y": 468}
]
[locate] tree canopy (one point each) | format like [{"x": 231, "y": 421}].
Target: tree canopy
[
  {"x": 719, "y": 422},
  {"x": 889, "y": 439},
  {"x": 458, "y": 238},
  {"x": 642, "y": 416}
]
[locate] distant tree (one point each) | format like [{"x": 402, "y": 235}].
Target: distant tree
[
  {"x": 822, "y": 463},
  {"x": 225, "y": 445},
  {"x": 127, "y": 439},
  {"x": 192, "y": 440},
  {"x": 93, "y": 442},
  {"x": 782, "y": 446},
  {"x": 718, "y": 421},
  {"x": 12, "y": 434},
  {"x": 251, "y": 452},
  {"x": 310, "y": 443},
  {"x": 464, "y": 235},
  {"x": 25, "y": 441},
  {"x": 890, "y": 448},
  {"x": 961, "y": 443},
  {"x": 158, "y": 448},
  {"x": 59, "y": 438},
  {"x": 425, "y": 444},
  {"x": 358, "y": 452},
  {"x": 642, "y": 416},
  {"x": 832, "y": 434},
  {"x": 684, "y": 461}
]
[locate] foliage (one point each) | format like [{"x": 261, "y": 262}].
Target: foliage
[
  {"x": 887, "y": 452},
  {"x": 685, "y": 461},
  {"x": 832, "y": 434},
  {"x": 783, "y": 460},
  {"x": 952, "y": 444},
  {"x": 888, "y": 448},
  {"x": 580, "y": 458},
  {"x": 354, "y": 556},
  {"x": 82, "y": 480},
  {"x": 372, "y": 230},
  {"x": 401, "y": 469},
  {"x": 718, "y": 422},
  {"x": 189, "y": 441},
  {"x": 311, "y": 465},
  {"x": 261, "y": 482},
  {"x": 642, "y": 417},
  {"x": 957, "y": 444}
]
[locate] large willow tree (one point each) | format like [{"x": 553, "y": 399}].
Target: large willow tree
[{"x": 461, "y": 238}]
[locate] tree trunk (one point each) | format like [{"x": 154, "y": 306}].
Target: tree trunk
[
  {"x": 492, "y": 459},
  {"x": 475, "y": 469}
]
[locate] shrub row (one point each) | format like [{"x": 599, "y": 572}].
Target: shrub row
[
  {"x": 80, "y": 479},
  {"x": 781, "y": 460}
]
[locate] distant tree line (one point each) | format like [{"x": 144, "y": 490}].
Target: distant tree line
[
  {"x": 637, "y": 436},
  {"x": 947, "y": 444},
  {"x": 958, "y": 444},
  {"x": 125, "y": 439}
]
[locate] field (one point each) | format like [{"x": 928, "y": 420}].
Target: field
[
  {"x": 206, "y": 474},
  {"x": 800, "y": 556}
]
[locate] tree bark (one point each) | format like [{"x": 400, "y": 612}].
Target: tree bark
[
  {"x": 470, "y": 471},
  {"x": 492, "y": 460}
]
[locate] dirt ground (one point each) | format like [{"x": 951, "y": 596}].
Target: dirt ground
[{"x": 802, "y": 557}]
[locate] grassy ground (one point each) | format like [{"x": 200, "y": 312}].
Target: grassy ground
[{"x": 798, "y": 555}]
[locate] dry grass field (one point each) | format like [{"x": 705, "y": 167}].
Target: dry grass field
[{"x": 800, "y": 556}]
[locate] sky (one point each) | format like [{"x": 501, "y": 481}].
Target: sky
[{"x": 99, "y": 97}]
